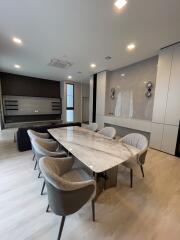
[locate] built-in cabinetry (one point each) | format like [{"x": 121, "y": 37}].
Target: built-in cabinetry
[{"x": 166, "y": 111}]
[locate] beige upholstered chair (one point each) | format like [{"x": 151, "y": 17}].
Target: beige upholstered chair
[
  {"x": 109, "y": 132},
  {"x": 68, "y": 189},
  {"x": 35, "y": 135},
  {"x": 139, "y": 141},
  {"x": 91, "y": 126},
  {"x": 43, "y": 148}
]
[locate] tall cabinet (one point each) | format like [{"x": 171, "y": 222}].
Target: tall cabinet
[{"x": 166, "y": 111}]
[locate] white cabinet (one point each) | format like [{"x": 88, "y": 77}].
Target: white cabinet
[
  {"x": 173, "y": 102},
  {"x": 156, "y": 135},
  {"x": 166, "y": 111},
  {"x": 162, "y": 84},
  {"x": 169, "y": 139}
]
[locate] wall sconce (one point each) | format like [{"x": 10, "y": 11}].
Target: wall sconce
[
  {"x": 149, "y": 87},
  {"x": 113, "y": 91}
]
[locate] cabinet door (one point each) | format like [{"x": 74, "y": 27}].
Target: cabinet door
[
  {"x": 169, "y": 139},
  {"x": 173, "y": 102},
  {"x": 156, "y": 136},
  {"x": 162, "y": 84}
]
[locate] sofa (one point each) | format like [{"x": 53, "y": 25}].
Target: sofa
[{"x": 22, "y": 138}]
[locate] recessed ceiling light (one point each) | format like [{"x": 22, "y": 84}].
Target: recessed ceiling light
[
  {"x": 131, "y": 47},
  {"x": 93, "y": 65},
  {"x": 17, "y": 40},
  {"x": 120, "y": 3},
  {"x": 69, "y": 77},
  {"x": 17, "y": 66},
  {"x": 123, "y": 74}
]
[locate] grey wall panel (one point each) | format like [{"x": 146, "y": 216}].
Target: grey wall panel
[
  {"x": 122, "y": 131},
  {"x": 21, "y": 105},
  {"x": 136, "y": 76}
]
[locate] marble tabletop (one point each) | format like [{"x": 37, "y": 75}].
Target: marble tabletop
[{"x": 93, "y": 149}]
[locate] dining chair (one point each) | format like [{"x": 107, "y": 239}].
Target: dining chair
[
  {"x": 109, "y": 132},
  {"x": 139, "y": 141},
  {"x": 91, "y": 126},
  {"x": 43, "y": 148},
  {"x": 34, "y": 135},
  {"x": 68, "y": 188}
]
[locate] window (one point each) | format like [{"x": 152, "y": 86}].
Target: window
[{"x": 70, "y": 102}]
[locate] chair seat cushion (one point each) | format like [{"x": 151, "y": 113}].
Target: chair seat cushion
[{"x": 76, "y": 175}]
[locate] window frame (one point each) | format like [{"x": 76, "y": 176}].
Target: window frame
[{"x": 69, "y": 108}]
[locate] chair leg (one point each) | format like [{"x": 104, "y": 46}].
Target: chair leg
[
  {"x": 93, "y": 210},
  {"x": 47, "y": 209},
  {"x": 42, "y": 190},
  {"x": 33, "y": 157},
  {"x": 142, "y": 170},
  {"x": 131, "y": 178},
  {"x": 35, "y": 165},
  {"x": 39, "y": 175},
  {"x": 61, "y": 227}
]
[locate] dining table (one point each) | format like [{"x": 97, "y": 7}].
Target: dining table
[{"x": 99, "y": 154}]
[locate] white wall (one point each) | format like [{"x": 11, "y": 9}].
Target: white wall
[
  {"x": 85, "y": 102},
  {"x": 101, "y": 97},
  {"x": 90, "y": 98}
]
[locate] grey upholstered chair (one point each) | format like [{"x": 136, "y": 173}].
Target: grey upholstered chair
[
  {"x": 109, "y": 132},
  {"x": 35, "y": 135},
  {"x": 139, "y": 141},
  {"x": 91, "y": 126},
  {"x": 43, "y": 148},
  {"x": 68, "y": 189}
]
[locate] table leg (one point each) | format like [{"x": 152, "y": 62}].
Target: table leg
[
  {"x": 111, "y": 178},
  {"x": 99, "y": 185}
]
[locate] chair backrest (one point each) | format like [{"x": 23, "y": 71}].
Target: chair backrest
[
  {"x": 42, "y": 148},
  {"x": 91, "y": 126},
  {"x": 108, "y": 132},
  {"x": 64, "y": 197},
  {"x": 139, "y": 141},
  {"x": 33, "y": 134}
]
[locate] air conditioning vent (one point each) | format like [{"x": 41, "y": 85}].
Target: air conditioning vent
[{"x": 55, "y": 62}]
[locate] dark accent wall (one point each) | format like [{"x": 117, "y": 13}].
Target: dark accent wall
[
  {"x": 94, "y": 97},
  {"x": 18, "y": 85}
]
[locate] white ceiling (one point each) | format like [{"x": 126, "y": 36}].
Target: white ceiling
[{"x": 82, "y": 32}]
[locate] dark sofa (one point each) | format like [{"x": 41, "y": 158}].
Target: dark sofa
[{"x": 23, "y": 141}]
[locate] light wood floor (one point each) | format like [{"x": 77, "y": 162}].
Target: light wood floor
[{"x": 149, "y": 211}]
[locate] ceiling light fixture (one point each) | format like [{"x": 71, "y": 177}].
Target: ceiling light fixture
[
  {"x": 123, "y": 74},
  {"x": 93, "y": 65},
  {"x": 131, "y": 47},
  {"x": 17, "y": 66},
  {"x": 69, "y": 77},
  {"x": 17, "y": 40},
  {"x": 120, "y": 3},
  {"x": 108, "y": 58}
]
